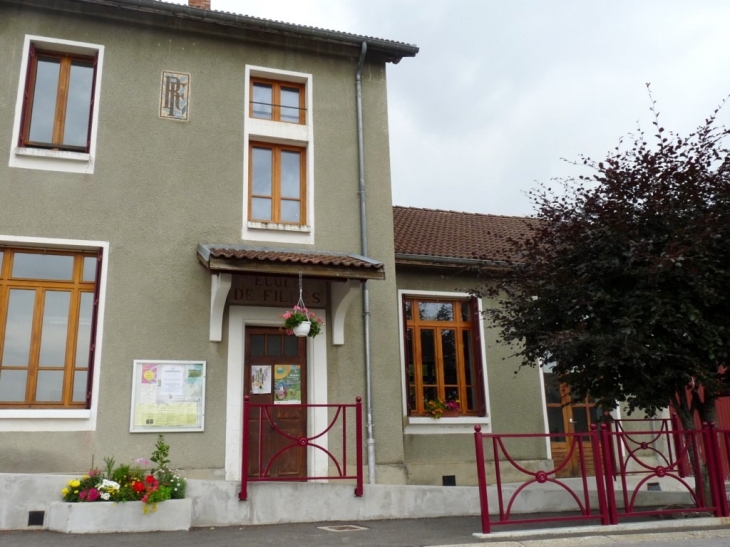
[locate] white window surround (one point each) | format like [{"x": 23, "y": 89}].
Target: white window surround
[
  {"x": 255, "y": 129},
  {"x": 317, "y": 419},
  {"x": 33, "y": 419},
  {"x": 55, "y": 160},
  {"x": 417, "y": 425}
]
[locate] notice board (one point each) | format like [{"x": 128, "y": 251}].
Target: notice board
[{"x": 167, "y": 396}]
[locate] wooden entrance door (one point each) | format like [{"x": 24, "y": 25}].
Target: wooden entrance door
[
  {"x": 276, "y": 373},
  {"x": 566, "y": 415}
]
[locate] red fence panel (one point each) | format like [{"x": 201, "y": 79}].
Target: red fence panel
[
  {"x": 661, "y": 453},
  {"x": 342, "y": 417}
]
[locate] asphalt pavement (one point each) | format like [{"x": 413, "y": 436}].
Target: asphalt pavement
[{"x": 451, "y": 531}]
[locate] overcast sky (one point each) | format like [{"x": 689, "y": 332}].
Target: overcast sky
[{"x": 501, "y": 91}]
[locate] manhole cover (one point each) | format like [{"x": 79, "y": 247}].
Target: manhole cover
[{"x": 342, "y": 528}]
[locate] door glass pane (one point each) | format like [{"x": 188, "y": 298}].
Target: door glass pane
[
  {"x": 78, "y": 106},
  {"x": 43, "y": 266},
  {"x": 50, "y": 386},
  {"x": 409, "y": 356},
  {"x": 18, "y": 328},
  {"x": 552, "y": 387},
  {"x": 436, "y": 311},
  {"x": 261, "y": 209},
  {"x": 79, "y": 394},
  {"x": 12, "y": 385},
  {"x": 290, "y": 211},
  {"x": 412, "y": 397},
  {"x": 428, "y": 356},
  {"x": 262, "y": 101},
  {"x": 83, "y": 337},
  {"x": 291, "y": 346},
  {"x": 465, "y": 311},
  {"x": 257, "y": 345},
  {"x": 89, "y": 269},
  {"x": 469, "y": 375},
  {"x": 55, "y": 329},
  {"x": 290, "y": 174},
  {"x": 1, "y": 261},
  {"x": 44, "y": 100},
  {"x": 580, "y": 419},
  {"x": 555, "y": 423},
  {"x": 290, "y": 104},
  {"x": 409, "y": 313},
  {"x": 448, "y": 349},
  {"x": 262, "y": 160},
  {"x": 430, "y": 394},
  {"x": 273, "y": 345}
]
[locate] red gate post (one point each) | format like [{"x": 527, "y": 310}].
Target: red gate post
[
  {"x": 482, "y": 477},
  {"x": 600, "y": 485},
  {"x": 606, "y": 451},
  {"x": 714, "y": 470},
  {"x": 243, "y": 494},
  {"x": 358, "y": 445}
]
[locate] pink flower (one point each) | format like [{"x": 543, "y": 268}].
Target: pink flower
[
  {"x": 287, "y": 315},
  {"x": 289, "y": 332},
  {"x": 82, "y": 495},
  {"x": 93, "y": 494}
]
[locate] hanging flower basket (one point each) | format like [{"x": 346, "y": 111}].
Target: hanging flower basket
[
  {"x": 299, "y": 321},
  {"x": 302, "y": 329}
]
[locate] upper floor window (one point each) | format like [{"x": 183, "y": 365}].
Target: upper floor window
[
  {"x": 277, "y": 101},
  {"x": 277, "y": 183},
  {"x": 59, "y": 101},
  {"x": 57, "y": 105},
  {"x": 442, "y": 356},
  {"x": 47, "y": 327}
]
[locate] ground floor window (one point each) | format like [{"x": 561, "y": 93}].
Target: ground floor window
[
  {"x": 442, "y": 358},
  {"x": 48, "y": 307}
]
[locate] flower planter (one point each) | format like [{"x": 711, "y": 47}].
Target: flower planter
[
  {"x": 107, "y": 517},
  {"x": 302, "y": 329}
]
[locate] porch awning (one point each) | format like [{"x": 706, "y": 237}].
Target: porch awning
[
  {"x": 345, "y": 271},
  {"x": 269, "y": 260}
]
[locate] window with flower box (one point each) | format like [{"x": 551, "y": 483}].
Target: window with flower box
[
  {"x": 48, "y": 309},
  {"x": 442, "y": 356}
]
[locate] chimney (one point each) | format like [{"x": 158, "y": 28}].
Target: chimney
[{"x": 200, "y": 4}]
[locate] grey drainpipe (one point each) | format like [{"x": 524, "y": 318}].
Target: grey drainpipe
[{"x": 365, "y": 288}]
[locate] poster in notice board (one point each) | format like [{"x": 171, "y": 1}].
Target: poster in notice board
[{"x": 168, "y": 396}]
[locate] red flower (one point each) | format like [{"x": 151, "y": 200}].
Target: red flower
[
  {"x": 149, "y": 479},
  {"x": 137, "y": 486}
]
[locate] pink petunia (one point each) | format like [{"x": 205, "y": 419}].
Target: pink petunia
[{"x": 93, "y": 494}]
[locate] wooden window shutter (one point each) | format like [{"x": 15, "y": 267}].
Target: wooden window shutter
[
  {"x": 94, "y": 319},
  {"x": 24, "y": 123}
]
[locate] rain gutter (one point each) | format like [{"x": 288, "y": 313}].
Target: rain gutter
[{"x": 365, "y": 286}]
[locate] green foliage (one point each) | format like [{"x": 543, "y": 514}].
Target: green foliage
[
  {"x": 161, "y": 454},
  {"x": 623, "y": 281}
]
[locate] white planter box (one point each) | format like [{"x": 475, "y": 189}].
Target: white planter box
[{"x": 103, "y": 517}]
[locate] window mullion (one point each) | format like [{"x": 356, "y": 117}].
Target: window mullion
[
  {"x": 276, "y": 99},
  {"x": 460, "y": 367},
  {"x": 440, "y": 380},
  {"x": 72, "y": 332},
  {"x": 418, "y": 369},
  {"x": 35, "y": 346},
  {"x": 61, "y": 100}
]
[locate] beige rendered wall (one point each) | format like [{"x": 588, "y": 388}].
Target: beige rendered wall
[
  {"x": 160, "y": 188},
  {"x": 514, "y": 400}
]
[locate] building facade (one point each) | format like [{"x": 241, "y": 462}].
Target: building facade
[{"x": 177, "y": 179}]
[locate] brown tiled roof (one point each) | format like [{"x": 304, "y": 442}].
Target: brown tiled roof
[
  {"x": 267, "y": 260},
  {"x": 320, "y": 259},
  {"x": 432, "y": 233}
]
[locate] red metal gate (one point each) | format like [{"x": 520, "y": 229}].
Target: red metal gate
[{"x": 616, "y": 453}]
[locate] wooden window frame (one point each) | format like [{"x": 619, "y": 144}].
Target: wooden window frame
[
  {"x": 76, "y": 287},
  {"x": 414, "y": 325},
  {"x": 59, "y": 120},
  {"x": 276, "y": 86},
  {"x": 275, "y": 196}
]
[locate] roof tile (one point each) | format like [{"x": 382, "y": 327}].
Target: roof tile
[{"x": 453, "y": 234}]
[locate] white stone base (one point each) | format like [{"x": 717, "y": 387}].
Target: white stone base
[{"x": 96, "y": 517}]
